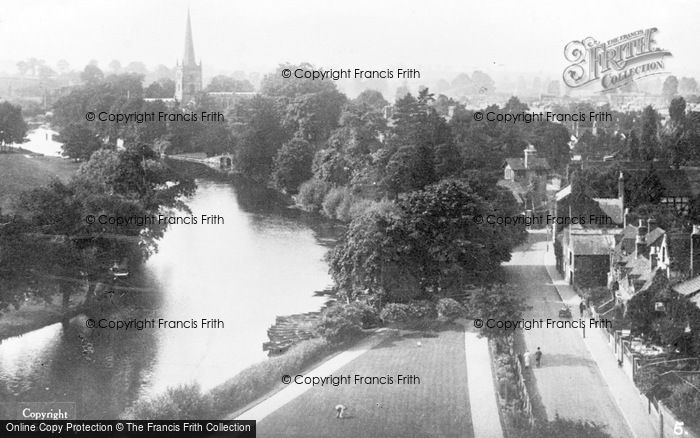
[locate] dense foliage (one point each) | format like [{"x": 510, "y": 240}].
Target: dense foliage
[
  {"x": 566, "y": 428},
  {"x": 13, "y": 128},
  {"x": 431, "y": 244},
  {"x": 56, "y": 237}
]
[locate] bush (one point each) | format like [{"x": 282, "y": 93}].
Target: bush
[
  {"x": 685, "y": 401},
  {"x": 184, "y": 402},
  {"x": 369, "y": 316},
  {"x": 422, "y": 309},
  {"x": 342, "y": 211},
  {"x": 384, "y": 207},
  {"x": 312, "y": 194},
  {"x": 341, "y": 322},
  {"x": 449, "y": 308},
  {"x": 565, "y": 428},
  {"x": 333, "y": 199},
  {"x": 395, "y": 312},
  {"x": 359, "y": 207}
]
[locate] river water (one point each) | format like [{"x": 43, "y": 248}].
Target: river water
[{"x": 265, "y": 260}]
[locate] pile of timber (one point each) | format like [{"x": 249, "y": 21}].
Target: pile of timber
[{"x": 289, "y": 330}]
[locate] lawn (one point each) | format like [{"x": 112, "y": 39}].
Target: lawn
[
  {"x": 19, "y": 172},
  {"x": 437, "y": 407}
]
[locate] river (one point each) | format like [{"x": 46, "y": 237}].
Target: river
[{"x": 265, "y": 260}]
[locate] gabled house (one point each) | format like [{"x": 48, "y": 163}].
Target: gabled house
[
  {"x": 526, "y": 178},
  {"x": 613, "y": 209},
  {"x": 639, "y": 253},
  {"x": 583, "y": 255}
]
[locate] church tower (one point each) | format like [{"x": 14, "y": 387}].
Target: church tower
[{"x": 188, "y": 74}]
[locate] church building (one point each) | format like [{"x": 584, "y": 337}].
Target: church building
[{"x": 188, "y": 74}]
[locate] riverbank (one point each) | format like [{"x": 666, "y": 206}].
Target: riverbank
[
  {"x": 246, "y": 389},
  {"x": 20, "y": 171},
  {"x": 35, "y": 314},
  {"x": 198, "y": 170}
]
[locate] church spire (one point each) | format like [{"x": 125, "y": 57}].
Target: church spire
[{"x": 188, "y": 59}]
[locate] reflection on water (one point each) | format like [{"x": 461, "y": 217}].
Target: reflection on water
[{"x": 262, "y": 262}]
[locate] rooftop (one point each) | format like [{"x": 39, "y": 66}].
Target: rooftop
[
  {"x": 593, "y": 244},
  {"x": 688, "y": 288},
  {"x": 534, "y": 163}
]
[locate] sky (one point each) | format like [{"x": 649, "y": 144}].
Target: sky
[{"x": 499, "y": 37}]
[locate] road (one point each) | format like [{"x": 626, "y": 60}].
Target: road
[{"x": 569, "y": 382}]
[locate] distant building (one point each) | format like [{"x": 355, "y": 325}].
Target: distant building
[
  {"x": 188, "y": 81},
  {"x": 188, "y": 74},
  {"x": 526, "y": 178}
]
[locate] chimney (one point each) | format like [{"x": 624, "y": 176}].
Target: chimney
[
  {"x": 651, "y": 224},
  {"x": 530, "y": 155},
  {"x": 641, "y": 239},
  {"x": 695, "y": 251}
]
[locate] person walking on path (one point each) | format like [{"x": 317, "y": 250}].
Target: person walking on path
[
  {"x": 538, "y": 356},
  {"x": 581, "y": 308},
  {"x": 339, "y": 409},
  {"x": 526, "y": 359}
]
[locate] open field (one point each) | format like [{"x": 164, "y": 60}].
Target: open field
[
  {"x": 438, "y": 406},
  {"x": 19, "y": 172}
]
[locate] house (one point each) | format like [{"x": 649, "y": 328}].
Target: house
[
  {"x": 608, "y": 212},
  {"x": 526, "y": 178},
  {"x": 680, "y": 186},
  {"x": 689, "y": 289},
  {"x": 584, "y": 255},
  {"x": 639, "y": 253}
]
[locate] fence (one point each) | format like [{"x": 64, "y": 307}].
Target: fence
[
  {"x": 665, "y": 423},
  {"x": 525, "y": 402}
]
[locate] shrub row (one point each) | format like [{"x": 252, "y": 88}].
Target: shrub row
[
  {"x": 335, "y": 202},
  {"x": 188, "y": 402},
  {"x": 422, "y": 309}
]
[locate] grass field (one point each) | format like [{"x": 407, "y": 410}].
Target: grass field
[
  {"x": 437, "y": 407},
  {"x": 19, "y": 172},
  {"x": 35, "y": 314}
]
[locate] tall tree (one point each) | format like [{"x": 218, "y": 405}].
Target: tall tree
[
  {"x": 13, "y": 128},
  {"x": 649, "y": 140},
  {"x": 432, "y": 245},
  {"x": 91, "y": 75},
  {"x": 293, "y": 164},
  {"x": 228, "y": 83},
  {"x": 258, "y": 134},
  {"x": 633, "y": 152},
  {"x": 670, "y": 88},
  {"x": 79, "y": 142}
]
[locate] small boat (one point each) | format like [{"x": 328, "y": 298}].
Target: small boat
[{"x": 118, "y": 271}]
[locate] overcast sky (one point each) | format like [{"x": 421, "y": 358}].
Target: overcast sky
[{"x": 256, "y": 35}]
